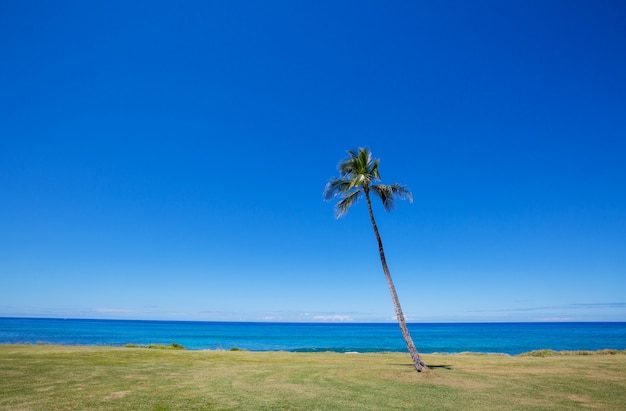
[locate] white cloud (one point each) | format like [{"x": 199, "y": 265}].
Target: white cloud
[
  {"x": 334, "y": 317},
  {"x": 556, "y": 319}
]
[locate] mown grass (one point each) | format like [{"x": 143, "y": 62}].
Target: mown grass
[{"x": 34, "y": 377}]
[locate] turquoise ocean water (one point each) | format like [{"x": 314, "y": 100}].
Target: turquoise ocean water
[{"x": 508, "y": 338}]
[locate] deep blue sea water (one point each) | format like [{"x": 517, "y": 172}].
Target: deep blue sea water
[{"x": 508, "y": 338}]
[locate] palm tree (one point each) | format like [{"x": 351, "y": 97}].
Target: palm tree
[{"x": 358, "y": 177}]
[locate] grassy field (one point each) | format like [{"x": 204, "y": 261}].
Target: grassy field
[{"x": 45, "y": 377}]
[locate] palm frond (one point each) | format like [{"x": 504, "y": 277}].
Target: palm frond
[
  {"x": 365, "y": 157},
  {"x": 385, "y": 195},
  {"x": 336, "y": 187},
  {"x": 374, "y": 170},
  {"x": 349, "y": 199},
  {"x": 349, "y": 166},
  {"x": 401, "y": 191},
  {"x": 359, "y": 180},
  {"x": 360, "y": 168},
  {"x": 388, "y": 194}
]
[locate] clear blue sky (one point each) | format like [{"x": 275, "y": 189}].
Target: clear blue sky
[{"x": 166, "y": 160}]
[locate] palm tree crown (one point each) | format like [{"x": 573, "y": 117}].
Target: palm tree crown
[{"x": 358, "y": 176}]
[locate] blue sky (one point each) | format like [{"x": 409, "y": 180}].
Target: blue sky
[{"x": 166, "y": 160}]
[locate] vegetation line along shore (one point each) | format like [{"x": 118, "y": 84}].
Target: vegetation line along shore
[{"x": 533, "y": 353}]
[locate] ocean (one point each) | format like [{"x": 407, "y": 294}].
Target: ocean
[{"x": 506, "y": 338}]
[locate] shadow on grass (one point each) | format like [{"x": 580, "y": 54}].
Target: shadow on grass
[
  {"x": 445, "y": 367},
  {"x": 431, "y": 366}
]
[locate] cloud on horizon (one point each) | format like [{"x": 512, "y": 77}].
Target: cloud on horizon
[
  {"x": 335, "y": 317},
  {"x": 556, "y": 307}
]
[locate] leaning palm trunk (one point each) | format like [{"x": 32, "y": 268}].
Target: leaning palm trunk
[
  {"x": 417, "y": 359},
  {"x": 357, "y": 173}
]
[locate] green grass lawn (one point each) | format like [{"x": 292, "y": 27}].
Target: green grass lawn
[{"x": 45, "y": 377}]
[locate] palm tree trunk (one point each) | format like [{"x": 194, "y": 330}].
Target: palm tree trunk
[{"x": 417, "y": 360}]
